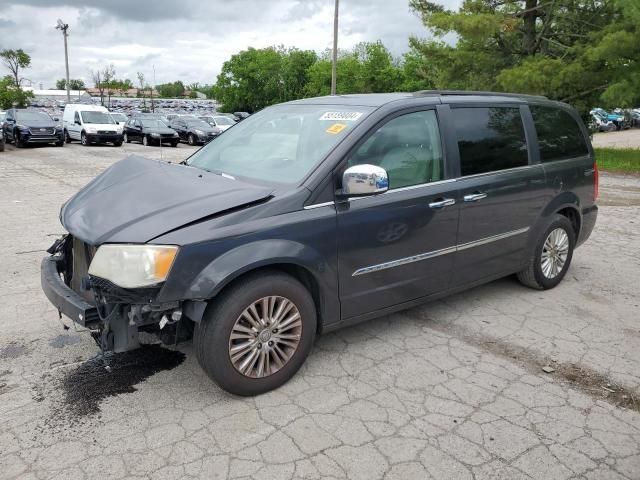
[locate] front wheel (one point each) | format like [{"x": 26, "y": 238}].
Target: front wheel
[
  {"x": 67, "y": 138},
  {"x": 551, "y": 256},
  {"x": 174, "y": 144},
  {"x": 126, "y": 138},
  {"x": 256, "y": 335},
  {"x": 83, "y": 139},
  {"x": 145, "y": 140},
  {"x": 191, "y": 140}
]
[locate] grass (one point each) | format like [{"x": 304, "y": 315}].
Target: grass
[{"x": 618, "y": 159}]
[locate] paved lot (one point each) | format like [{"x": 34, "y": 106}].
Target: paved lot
[
  {"x": 453, "y": 389},
  {"x": 623, "y": 139}
]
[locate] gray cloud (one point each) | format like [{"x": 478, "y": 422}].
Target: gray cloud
[{"x": 191, "y": 39}]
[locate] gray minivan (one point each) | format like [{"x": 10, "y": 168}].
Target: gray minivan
[{"x": 320, "y": 213}]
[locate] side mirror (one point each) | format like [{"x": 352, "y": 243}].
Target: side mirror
[
  {"x": 56, "y": 119},
  {"x": 364, "y": 179}
]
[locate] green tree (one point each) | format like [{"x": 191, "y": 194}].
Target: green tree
[
  {"x": 171, "y": 90},
  {"x": 368, "y": 68},
  {"x": 15, "y": 60},
  {"x": 11, "y": 96},
  {"x": 581, "y": 51},
  {"x": 74, "y": 84}
]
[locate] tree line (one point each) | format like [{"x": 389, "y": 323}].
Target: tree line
[{"x": 585, "y": 52}]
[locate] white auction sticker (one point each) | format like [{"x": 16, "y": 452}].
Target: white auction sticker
[{"x": 344, "y": 116}]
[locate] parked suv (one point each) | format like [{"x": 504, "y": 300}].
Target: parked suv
[
  {"x": 25, "y": 126},
  {"x": 320, "y": 213}
]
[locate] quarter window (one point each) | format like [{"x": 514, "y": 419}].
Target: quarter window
[
  {"x": 559, "y": 135},
  {"x": 490, "y": 139},
  {"x": 407, "y": 147}
]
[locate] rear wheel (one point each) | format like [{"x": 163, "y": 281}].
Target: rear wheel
[
  {"x": 551, "y": 256},
  {"x": 256, "y": 335}
]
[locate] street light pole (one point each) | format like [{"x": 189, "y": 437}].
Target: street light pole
[
  {"x": 64, "y": 27},
  {"x": 335, "y": 50}
]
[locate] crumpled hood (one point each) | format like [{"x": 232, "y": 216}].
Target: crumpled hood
[{"x": 137, "y": 199}]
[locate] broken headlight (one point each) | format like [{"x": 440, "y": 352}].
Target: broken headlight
[{"x": 133, "y": 266}]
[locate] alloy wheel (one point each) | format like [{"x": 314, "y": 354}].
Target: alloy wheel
[
  {"x": 265, "y": 336},
  {"x": 554, "y": 253}
]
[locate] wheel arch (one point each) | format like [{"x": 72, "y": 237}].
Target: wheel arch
[
  {"x": 566, "y": 204},
  {"x": 295, "y": 259}
]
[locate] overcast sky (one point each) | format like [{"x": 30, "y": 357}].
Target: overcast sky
[{"x": 189, "y": 39}]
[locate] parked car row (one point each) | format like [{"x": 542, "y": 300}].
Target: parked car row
[
  {"x": 619, "y": 119},
  {"x": 94, "y": 124}
]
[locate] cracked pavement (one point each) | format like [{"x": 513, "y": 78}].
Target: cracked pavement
[{"x": 451, "y": 389}]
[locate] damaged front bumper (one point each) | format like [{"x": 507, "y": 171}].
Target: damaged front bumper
[
  {"x": 113, "y": 314},
  {"x": 63, "y": 298}
]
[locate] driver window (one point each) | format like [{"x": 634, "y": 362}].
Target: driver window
[
  {"x": 407, "y": 147},
  {"x": 76, "y": 117}
]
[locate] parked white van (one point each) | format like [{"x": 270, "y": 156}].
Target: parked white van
[{"x": 90, "y": 124}]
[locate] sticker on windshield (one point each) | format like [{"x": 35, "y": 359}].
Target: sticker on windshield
[
  {"x": 348, "y": 116},
  {"x": 336, "y": 128}
]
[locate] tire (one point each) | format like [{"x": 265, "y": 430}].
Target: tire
[
  {"x": 83, "y": 140},
  {"x": 534, "y": 275},
  {"x": 117, "y": 144},
  {"x": 212, "y": 336},
  {"x": 60, "y": 143},
  {"x": 126, "y": 138},
  {"x": 2, "y": 145},
  {"x": 67, "y": 138},
  {"x": 18, "y": 140},
  {"x": 145, "y": 140},
  {"x": 174, "y": 144},
  {"x": 191, "y": 139}
]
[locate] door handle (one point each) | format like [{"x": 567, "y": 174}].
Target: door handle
[
  {"x": 474, "y": 197},
  {"x": 441, "y": 203}
]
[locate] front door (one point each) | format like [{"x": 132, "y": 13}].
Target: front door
[
  {"x": 398, "y": 246},
  {"x": 74, "y": 128},
  {"x": 501, "y": 193}
]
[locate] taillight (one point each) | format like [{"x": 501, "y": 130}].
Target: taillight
[{"x": 596, "y": 183}]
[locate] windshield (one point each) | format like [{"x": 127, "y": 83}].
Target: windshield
[
  {"x": 119, "y": 117},
  {"x": 32, "y": 116},
  {"x": 197, "y": 123},
  {"x": 280, "y": 144},
  {"x": 96, "y": 117},
  {"x": 152, "y": 123},
  {"x": 223, "y": 121}
]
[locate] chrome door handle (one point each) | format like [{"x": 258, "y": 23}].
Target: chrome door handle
[
  {"x": 445, "y": 202},
  {"x": 474, "y": 197}
]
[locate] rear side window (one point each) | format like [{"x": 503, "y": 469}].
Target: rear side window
[
  {"x": 490, "y": 139},
  {"x": 559, "y": 135}
]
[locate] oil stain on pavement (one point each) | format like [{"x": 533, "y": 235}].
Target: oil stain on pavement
[{"x": 79, "y": 392}]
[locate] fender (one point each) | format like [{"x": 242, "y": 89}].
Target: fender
[
  {"x": 262, "y": 253},
  {"x": 559, "y": 202}
]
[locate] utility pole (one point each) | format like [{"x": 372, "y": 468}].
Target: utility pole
[
  {"x": 153, "y": 108},
  {"x": 64, "y": 27},
  {"x": 335, "y": 50}
]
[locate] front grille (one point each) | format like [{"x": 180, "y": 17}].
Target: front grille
[
  {"x": 106, "y": 132},
  {"x": 42, "y": 131}
]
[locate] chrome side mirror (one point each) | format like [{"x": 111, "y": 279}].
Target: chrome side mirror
[{"x": 364, "y": 179}]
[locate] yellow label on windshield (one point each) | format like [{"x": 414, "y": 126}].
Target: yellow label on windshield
[{"x": 336, "y": 128}]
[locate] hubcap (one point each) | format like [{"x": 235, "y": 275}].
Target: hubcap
[
  {"x": 554, "y": 253},
  {"x": 265, "y": 337}
]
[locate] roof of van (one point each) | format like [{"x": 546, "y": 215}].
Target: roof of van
[
  {"x": 86, "y": 108},
  {"x": 379, "y": 99}
]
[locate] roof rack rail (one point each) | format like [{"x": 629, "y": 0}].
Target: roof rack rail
[{"x": 426, "y": 93}]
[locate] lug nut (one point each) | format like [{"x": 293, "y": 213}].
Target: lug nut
[
  {"x": 259, "y": 345},
  {"x": 275, "y": 330},
  {"x": 271, "y": 344}
]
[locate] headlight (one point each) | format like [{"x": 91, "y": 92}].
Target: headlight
[
  {"x": 119, "y": 130},
  {"x": 133, "y": 266},
  {"x": 175, "y": 134},
  {"x": 91, "y": 129},
  {"x": 199, "y": 132}
]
